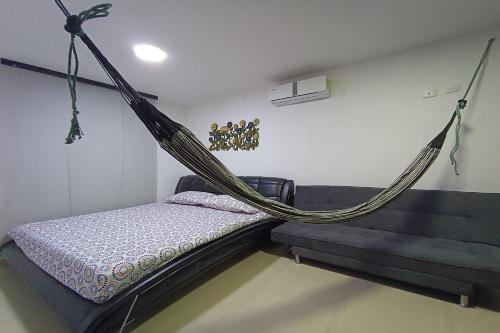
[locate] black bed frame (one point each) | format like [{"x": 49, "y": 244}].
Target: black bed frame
[{"x": 143, "y": 299}]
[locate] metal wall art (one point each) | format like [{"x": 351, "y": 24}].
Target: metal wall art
[{"x": 240, "y": 136}]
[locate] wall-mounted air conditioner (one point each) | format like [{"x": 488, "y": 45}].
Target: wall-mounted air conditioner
[{"x": 300, "y": 91}]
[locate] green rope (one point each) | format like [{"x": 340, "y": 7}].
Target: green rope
[
  {"x": 73, "y": 25},
  {"x": 461, "y": 105},
  {"x": 75, "y": 129}
]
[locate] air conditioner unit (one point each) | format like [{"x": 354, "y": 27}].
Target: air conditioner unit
[{"x": 300, "y": 91}]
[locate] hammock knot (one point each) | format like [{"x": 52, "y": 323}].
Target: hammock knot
[
  {"x": 74, "y": 22},
  {"x": 462, "y": 103},
  {"x": 73, "y": 25}
]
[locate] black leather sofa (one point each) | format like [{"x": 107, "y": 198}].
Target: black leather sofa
[{"x": 448, "y": 241}]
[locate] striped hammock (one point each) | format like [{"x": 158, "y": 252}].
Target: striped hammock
[{"x": 183, "y": 145}]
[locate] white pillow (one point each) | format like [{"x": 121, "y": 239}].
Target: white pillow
[
  {"x": 193, "y": 198},
  {"x": 220, "y": 202}
]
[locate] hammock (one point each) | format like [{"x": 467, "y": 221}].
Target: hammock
[{"x": 183, "y": 145}]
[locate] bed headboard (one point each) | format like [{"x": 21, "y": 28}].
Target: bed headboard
[{"x": 279, "y": 189}]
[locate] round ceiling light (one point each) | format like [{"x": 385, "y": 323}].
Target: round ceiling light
[{"x": 149, "y": 53}]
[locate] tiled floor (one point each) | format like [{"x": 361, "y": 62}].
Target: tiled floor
[{"x": 267, "y": 292}]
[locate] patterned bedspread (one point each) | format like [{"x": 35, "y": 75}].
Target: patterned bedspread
[{"x": 98, "y": 255}]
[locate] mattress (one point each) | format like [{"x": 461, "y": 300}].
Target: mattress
[{"x": 98, "y": 255}]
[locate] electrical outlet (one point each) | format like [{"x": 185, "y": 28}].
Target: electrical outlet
[
  {"x": 453, "y": 89},
  {"x": 429, "y": 94}
]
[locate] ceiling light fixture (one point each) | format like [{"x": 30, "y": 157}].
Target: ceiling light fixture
[{"x": 149, "y": 53}]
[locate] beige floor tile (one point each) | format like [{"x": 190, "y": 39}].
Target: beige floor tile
[
  {"x": 320, "y": 287},
  {"x": 368, "y": 305},
  {"x": 343, "y": 324},
  {"x": 270, "y": 311},
  {"x": 207, "y": 303},
  {"x": 217, "y": 295},
  {"x": 473, "y": 320},
  {"x": 169, "y": 323},
  {"x": 266, "y": 292},
  {"x": 270, "y": 265},
  {"x": 419, "y": 313}
]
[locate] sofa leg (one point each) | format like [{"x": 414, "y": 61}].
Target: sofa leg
[
  {"x": 297, "y": 259},
  {"x": 464, "y": 301}
]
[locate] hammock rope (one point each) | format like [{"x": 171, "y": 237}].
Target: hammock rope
[
  {"x": 462, "y": 103},
  {"x": 183, "y": 145},
  {"x": 74, "y": 27}
]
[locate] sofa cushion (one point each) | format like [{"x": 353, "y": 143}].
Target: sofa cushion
[
  {"x": 460, "y": 228},
  {"x": 472, "y": 262},
  {"x": 463, "y": 216}
]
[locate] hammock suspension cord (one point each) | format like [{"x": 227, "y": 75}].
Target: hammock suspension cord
[
  {"x": 183, "y": 145},
  {"x": 74, "y": 27},
  {"x": 462, "y": 103}
]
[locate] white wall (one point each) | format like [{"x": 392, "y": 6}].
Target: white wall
[
  {"x": 375, "y": 122},
  {"x": 113, "y": 166}
]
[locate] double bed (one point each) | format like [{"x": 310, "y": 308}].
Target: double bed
[{"x": 109, "y": 271}]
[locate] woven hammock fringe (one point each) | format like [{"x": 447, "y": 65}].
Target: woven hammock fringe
[{"x": 188, "y": 150}]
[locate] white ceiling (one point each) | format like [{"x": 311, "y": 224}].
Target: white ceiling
[{"x": 222, "y": 47}]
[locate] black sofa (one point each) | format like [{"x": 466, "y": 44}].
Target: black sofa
[{"x": 448, "y": 241}]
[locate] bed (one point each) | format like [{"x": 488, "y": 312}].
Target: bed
[{"x": 122, "y": 300}]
